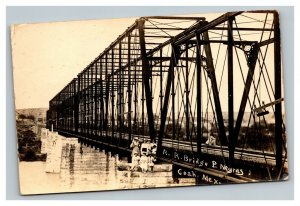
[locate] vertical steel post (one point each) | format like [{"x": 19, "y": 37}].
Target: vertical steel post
[
  {"x": 170, "y": 79},
  {"x": 146, "y": 73},
  {"x": 85, "y": 103},
  {"x": 187, "y": 92},
  {"x": 96, "y": 97},
  {"x": 129, "y": 90},
  {"x": 88, "y": 102},
  {"x": 230, "y": 89},
  {"x": 251, "y": 61},
  {"x": 212, "y": 75},
  {"x": 199, "y": 95},
  {"x": 135, "y": 100},
  {"x": 79, "y": 102},
  {"x": 277, "y": 82},
  {"x": 112, "y": 96},
  {"x": 143, "y": 108},
  {"x": 101, "y": 111},
  {"x": 173, "y": 107},
  {"x": 161, "y": 81},
  {"x": 70, "y": 106},
  {"x": 76, "y": 105},
  {"x": 107, "y": 93},
  {"x": 120, "y": 93}
]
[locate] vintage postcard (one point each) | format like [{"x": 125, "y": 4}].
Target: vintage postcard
[{"x": 149, "y": 102}]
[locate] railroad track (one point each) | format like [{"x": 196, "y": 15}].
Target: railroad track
[{"x": 248, "y": 155}]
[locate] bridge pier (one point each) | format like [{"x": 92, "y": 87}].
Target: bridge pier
[{"x": 76, "y": 158}]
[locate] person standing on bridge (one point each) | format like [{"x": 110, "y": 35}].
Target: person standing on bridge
[
  {"x": 211, "y": 140},
  {"x": 145, "y": 150},
  {"x": 145, "y": 147},
  {"x": 135, "y": 161},
  {"x": 144, "y": 162},
  {"x": 152, "y": 155},
  {"x": 153, "y": 148},
  {"x": 135, "y": 154},
  {"x": 135, "y": 146}
]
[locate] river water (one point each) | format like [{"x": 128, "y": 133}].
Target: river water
[{"x": 81, "y": 168}]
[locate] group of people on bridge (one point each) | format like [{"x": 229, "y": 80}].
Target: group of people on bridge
[{"x": 143, "y": 155}]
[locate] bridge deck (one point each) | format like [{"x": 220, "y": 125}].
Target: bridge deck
[{"x": 180, "y": 153}]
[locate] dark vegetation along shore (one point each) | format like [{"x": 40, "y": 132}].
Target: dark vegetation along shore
[{"x": 29, "y": 143}]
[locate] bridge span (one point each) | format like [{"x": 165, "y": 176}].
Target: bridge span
[{"x": 180, "y": 81}]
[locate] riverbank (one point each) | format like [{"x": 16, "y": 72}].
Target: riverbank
[{"x": 29, "y": 144}]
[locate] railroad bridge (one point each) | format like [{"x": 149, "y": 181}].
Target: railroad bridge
[{"x": 183, "y": 82}]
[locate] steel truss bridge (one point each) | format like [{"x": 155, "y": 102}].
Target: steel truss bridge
[{"x": 179, "y": 80}]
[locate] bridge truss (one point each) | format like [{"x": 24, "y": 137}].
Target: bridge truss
[{"x": 180, "y": 80}]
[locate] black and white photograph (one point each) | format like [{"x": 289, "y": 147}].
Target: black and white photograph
[{"x": 149, "y": 102}]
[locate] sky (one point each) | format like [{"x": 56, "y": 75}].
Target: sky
[{"x": 47, "y": 56}]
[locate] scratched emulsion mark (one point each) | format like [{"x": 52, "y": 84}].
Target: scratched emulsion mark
[{"x": 71, "y": 157}]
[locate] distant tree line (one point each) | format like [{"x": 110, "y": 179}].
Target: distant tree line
[{"x": 23, "y": 116}]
